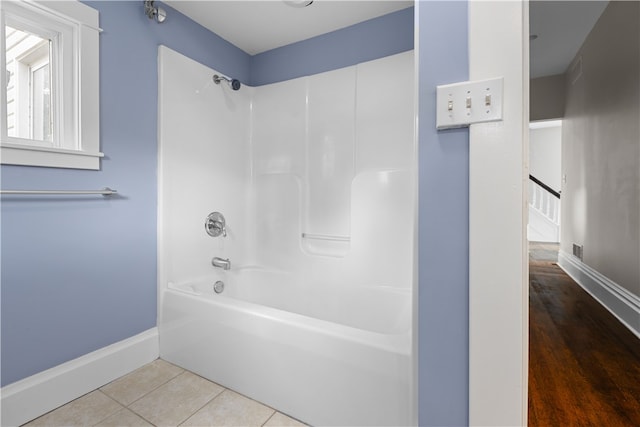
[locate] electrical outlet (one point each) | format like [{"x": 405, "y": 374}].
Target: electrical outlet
[{"x": 462, "y": 104}]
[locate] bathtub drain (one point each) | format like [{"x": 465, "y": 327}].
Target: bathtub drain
[{"x": 218, "y": 287}]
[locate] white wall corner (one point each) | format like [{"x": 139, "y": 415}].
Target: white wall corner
[
  {"x": 624, "y": 305},
  {"x": 38, "y": 394}
]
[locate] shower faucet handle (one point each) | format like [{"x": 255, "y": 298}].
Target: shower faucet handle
[
  {"x": 217, "y": 228},
  {"x": 215, "y": 225}
]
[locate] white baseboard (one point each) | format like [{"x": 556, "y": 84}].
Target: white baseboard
[
  {"x": 38, "y": 394},
  {"x": 621, "y": 303}
]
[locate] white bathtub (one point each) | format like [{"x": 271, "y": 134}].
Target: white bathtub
[{"x": 336, "y": 359}]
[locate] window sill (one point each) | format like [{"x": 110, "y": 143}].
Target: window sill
[{"x": 17, "y": 154}]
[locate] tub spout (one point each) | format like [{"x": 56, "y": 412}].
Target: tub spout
[{"x": 224, "y": 264}]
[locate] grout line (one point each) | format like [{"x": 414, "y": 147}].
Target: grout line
[
  {"x": 111, "y": 415},
  {"x": 134, "y": 412},
  {"x": 274, "y": 412},
  {"x": 294, "y": 418},
  {"x": 112, "y": 399},
  {"x": 208, "y": 401},
  {"x": 124, "y": 408},
  {"x": 151, "y": 391},
  {"x": 154, "y": 389},
  {"x": 224, "y": 389}
]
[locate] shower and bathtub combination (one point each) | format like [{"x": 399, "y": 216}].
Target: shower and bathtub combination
[{"x": 287, "y": 219}]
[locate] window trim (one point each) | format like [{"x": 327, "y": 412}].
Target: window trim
[
  {"x": 33, "y": 68},
  {"x": 79, "y": 134}
]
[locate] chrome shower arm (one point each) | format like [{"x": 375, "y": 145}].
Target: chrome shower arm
[{"x": 234, "y": 83}]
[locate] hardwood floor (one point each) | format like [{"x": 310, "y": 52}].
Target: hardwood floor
[{"x": 584, "y": 365}]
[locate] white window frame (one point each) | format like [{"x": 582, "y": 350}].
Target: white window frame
[
  {"x": 26, "y": 64},
  {"x": 75, "y": 66},
  {"x": 32, "y": 69}
]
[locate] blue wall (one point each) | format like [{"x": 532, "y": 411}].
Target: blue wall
[
  {"x": 80, "y": 273},
  {"x": 443, "y": 221},
  {"x": 369, "y": 40}
]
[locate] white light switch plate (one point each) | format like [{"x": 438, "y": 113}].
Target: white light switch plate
[{"x": 465, "y": 103}]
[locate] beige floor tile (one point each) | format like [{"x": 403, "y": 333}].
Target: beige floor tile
[
  {"x": 175, "y": 401},
  {"x": 87, "y": 410},
  {"x": 124, "y": 418},
  {"x": 281, "y": 420},
  {"x": 133, "y": 386},
  {"x": 231, "y": 409}
]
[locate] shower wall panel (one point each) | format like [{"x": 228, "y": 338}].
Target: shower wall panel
[
  {"x": 204, "y": 147},
  {"x": 385, "y": 158},
  {"x": 329, "y": 165},
  {"x": 277, "y": 213},
  {"x": 385, "y": 115},
  {"x": 315, "y": 176},
  {"x": 279, "y": 128},
  {"x": 279, "y": 125},
  {"x": 342, "y": 146}
]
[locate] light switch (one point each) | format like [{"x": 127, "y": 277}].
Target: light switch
[{"x": 465, "y": 103}]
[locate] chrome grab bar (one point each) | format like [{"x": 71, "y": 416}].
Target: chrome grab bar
[{"x": 326, "y": 237}]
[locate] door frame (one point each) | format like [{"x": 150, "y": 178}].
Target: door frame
[{"x": 498, "y": 253}]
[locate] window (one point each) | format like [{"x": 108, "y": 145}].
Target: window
[
  {"x": 28, "y": 86},
  {"x": 49, "y": 103}
]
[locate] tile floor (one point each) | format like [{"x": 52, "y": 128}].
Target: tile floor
[{"x": 162, "y": 394}]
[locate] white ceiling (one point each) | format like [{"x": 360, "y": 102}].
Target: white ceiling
[
  {"x": 258, "y": 26},
  {"x": 561, "y": 27}
]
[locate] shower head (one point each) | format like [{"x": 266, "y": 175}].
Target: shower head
[{"x": 234, "y": 83}]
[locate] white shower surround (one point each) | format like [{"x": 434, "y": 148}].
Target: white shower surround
[{"x": 318, "y": 328}]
